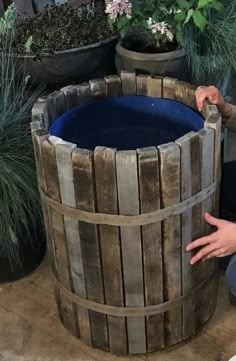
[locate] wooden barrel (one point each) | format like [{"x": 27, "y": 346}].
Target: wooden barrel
[{"x": 118, "y": 223}]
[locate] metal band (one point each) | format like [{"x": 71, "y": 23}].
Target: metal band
[
  {"x": 134, "y": 220},
  {"x": 132, "y": 311}
]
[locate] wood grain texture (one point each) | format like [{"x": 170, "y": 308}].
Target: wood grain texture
[
  {"x": 171, "y": 239},
  {"x": 67, "y": 311},
  {"x": 128, "y": 198},
  {"x": 64, "y": 153},
  {"x": 98, "y": 89},
  {"x": 155, "y": 86},
  {"x": 71, "y": 98},
  {"x": 185, "y": 144},
  {"x": 206, "y": 299},
  {"x": 128, "y": 80},
  {"x": 106, "y": 190},
  {"x": 58, "y": 104},
  {"x": 83, "y": 172},
  {"x": 40, "y": 112},
  {"x": 142, "y": 85},
  {"x": 113, "y": 85},
  {"x": 149, "y": 185},
  {"x": 168, "y": 88},
  {"x": 185, "y": 93}
]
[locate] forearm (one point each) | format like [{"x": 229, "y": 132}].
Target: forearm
[{"x": 229, "y": 117}]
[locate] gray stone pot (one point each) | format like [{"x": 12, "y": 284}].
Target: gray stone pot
[
  {"x": 73, "y": 65},
  {"x": 172, "y": 64}
]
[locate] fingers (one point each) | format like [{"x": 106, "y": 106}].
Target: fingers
[
  {"x": 203, "y": 253},
  {"x": 212, "y": 220},
  {"x": 203, "y": 93},
  {"x": 201, "y": 242}
]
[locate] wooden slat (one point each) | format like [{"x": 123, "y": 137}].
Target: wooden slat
[
  {"x": 113, "y": 85},
  {"x": 155, "y": 86},
  {"x": 70, "y": 93},
  {"x": 152, "y": 245},
  {"x": 185, "y": 143},
  {"x": 185, "y": 93},
  {"x": 64, "y": 153},
  {"x": 207, "y": 268},
  {"x": 40, "y": 112},
  {"x": 67, "y": 311},
  {"x": 98, "y": 88},
  {"x": 106, "y": 190},
  {"x": 169, "y": 88},
  {"x": 142, "y": 85},
  {"x": 128, "y": 196},
  {"x": 171, "y": 238},
  {"x": 128, "y": 81},
  {"x": 58, "y": 104},
  {"x": 85, "y": 200}
]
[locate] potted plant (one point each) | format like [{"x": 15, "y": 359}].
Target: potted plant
[
  {"x": 153, "y": 32},
  {"x": 22, "y": 241},
  {"x": 65, "y": 45}
]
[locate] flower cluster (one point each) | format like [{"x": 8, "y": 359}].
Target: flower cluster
[
  {"x": 117, "y": 8},
  {"x": 161, "y": 27},
  {"x": 163, "y": 21}
]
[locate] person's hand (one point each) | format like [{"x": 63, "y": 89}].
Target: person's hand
[
  {"x": 214, "y": 96},
  {"x": 218, "y": 244}
]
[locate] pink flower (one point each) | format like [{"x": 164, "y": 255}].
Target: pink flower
[{"x": 117, "y": 8}]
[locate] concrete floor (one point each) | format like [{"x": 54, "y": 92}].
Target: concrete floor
[{"x": 31, "y": 331}]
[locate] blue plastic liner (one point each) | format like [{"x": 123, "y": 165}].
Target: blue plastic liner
[{"x": 126, "y": 123}]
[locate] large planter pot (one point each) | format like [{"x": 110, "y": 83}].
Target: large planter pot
[
  {"x": 126, "y": 171},
  {"x": 31, "y": 253},
  {"x": 72, "y": 65},
  {"x": 171, "y": 64}
]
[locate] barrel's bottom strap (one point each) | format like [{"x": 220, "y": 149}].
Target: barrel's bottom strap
[{"x": 132, "y": 311}]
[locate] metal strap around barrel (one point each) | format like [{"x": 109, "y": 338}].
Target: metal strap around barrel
[
  {"x": 131, "y": 311},
  {"x": 133, "y": 220}
]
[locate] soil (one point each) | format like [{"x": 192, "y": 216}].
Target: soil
[
  {"x": 61, "y": 28},
  {"x": 142, "y": 44}
]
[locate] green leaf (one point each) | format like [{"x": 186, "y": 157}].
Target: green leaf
[
  {"x": 183, "y": 4},
  {"x": 180, "y": 17},
  {"x": 218, "y": 6},
  {"x": 204, "y": 3},
  {"x": 199, "y": 20},
  {"x": 189, "y": 16}
]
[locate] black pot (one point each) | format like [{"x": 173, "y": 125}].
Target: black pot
[
  {"x": 30, "y": 257},
  {"x": 170, "y": 64},
  {"x": 73, "y": 65}
]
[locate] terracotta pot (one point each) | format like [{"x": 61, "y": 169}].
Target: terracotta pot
[{"x": 172, "y": 64}]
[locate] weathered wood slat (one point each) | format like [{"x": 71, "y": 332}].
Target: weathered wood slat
[
  {"x": 128, "y": 198},
  {"x": 171, "y": 238},
  {"x": 106, "y": 190},
  {"x": 83, "y": 173},
  {"x": 168, "y": 88},
  {"x": 40, "y": 112},
  {"x": 206, "y": 138},
  {"x": 128, "y": 80},
  {"x": 76, "y": 95},
  {"x": 113, "y": 86},
  {"x": 152, "y": 245},
  {"x": 58, "y": 104},
  {"x": 185, "y": 144},
  {"x": 155, "y": 86},
  {"x": 142, "y": 85},
  {"x": 64, "y": 153},
  {"x": 67, "y": 310},
  {"x": 185, "y": 93},
  {"x": 98, "y": 89}
]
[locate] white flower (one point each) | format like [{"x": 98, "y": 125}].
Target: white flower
[{"x": 160, "y": 27}]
